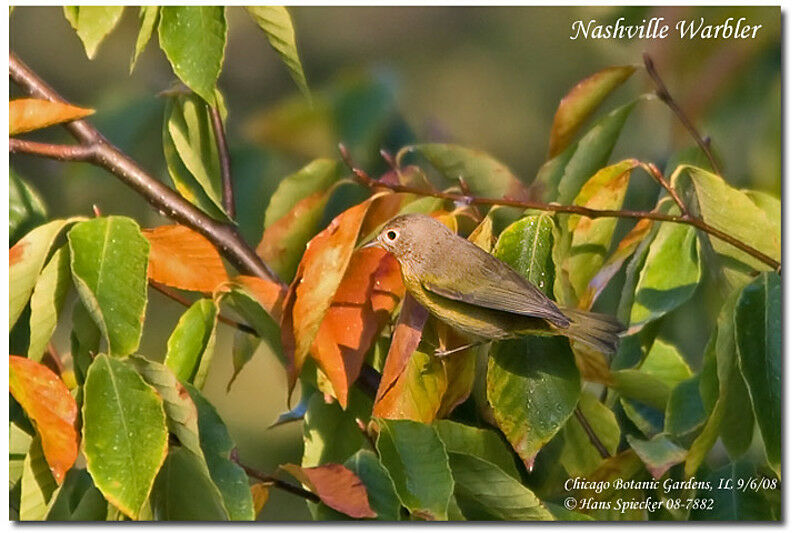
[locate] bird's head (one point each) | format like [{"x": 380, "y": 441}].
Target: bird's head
[{"x": 405, "y": 236}]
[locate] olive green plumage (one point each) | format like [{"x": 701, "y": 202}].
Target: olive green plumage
[{"x": 478, "y": 294}]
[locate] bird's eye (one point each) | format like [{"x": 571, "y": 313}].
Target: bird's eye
[{"x": 391, "y": 234}]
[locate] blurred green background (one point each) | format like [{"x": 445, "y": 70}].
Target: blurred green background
[{"x": 489, "y": 78}]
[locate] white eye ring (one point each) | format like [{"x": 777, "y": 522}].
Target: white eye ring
[{"x": 391, "y": 235}]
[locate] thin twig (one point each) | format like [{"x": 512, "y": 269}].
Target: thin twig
[
  {"x": 278, "y": 483},
  {"x": 664, "y": 95},
  {"x": 362, "y": 178},
  {"x": 224, "y": 236},
  {"x": 593, "y": 438},
  {"x": 228, "y": 201},
  {"x": 169, "y": 293},
  {"x": 659, "y": 177},
  {"x": 59, "y": 152}
]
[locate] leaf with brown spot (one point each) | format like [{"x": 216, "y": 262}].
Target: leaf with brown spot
[
  {"x": 28, "y": 114},
  {"x": 337, "y": 487},
  {"x": 364, "y": 301},
  {"x": 49, "y": 404},
  {"x": 580, "y": 102},
  {"x": 184, "y": 259}
]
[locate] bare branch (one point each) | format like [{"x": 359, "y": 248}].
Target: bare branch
[
  {"x": 364, "y": 179},
  {"x": 664, "y": 95},
  {"x": 59, "y": 152},
  {"x": 277, "y": 483},
  {"x": 593, "y": 438},
  {"x": 103, "y": 154}
]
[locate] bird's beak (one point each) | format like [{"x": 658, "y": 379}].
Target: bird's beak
[{"x": 374, "y": 243}]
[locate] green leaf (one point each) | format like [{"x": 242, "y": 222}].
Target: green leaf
[
  {"x": 669, "y": 275},
  {"x": 758, "y": 320},
  {"x": 193, "y": 39},
  {"x": 276, "y": 23},
  {"x": 109, "y": 267},
  {"x": 26, "y": 209},
  {"x": 253, "y": 312},
  {"x": 244, "y": 347},
  {"x": 736, "y": 428},
  {"x": 26, "y": 259},
  {"x": 188, "y": 124},
  {"x": 581, "y": 101},
  {"x": 416, "y": 460},
  {"x": 484, "y": 175},
  {"x": 591, "y": 238},
  {"x": 183, "y": 490},
  {"x": 485, "y": 492},
  {"x": 178, "y": 406},
  {"x": 92, "y": 24},
  {"x": 217, "y": 446},
  {"x": 533, "y": 384},
  {"x": 148, "y": 16},
  {"x": 665, "y": 362},
  {"x": 294, "y": 213},
  {"x": 658, "y": 454},
  {"x": 380, "y": 490},
  {"x": 37, "y": 484},
  {"x": 124, "y": 433},
  {"x": 685, "y": 412},
  {"x": 724, "y": 207},
  {"x": 563, "y": 176},
  {"x": 46, "y": 302},
  {"x": 77, "y": 500},
  {"x": 84, "y": 340},
  {"x": 331, "y": 435},
  {"x": 482, "y": 443},
  {"x": 185, "y": 183},
  {"x": 641, "y": 386},
  {"x": 579, "y": 456},
  {"x": 730, "y": 503},
  {"x": 191, "y": 345}
]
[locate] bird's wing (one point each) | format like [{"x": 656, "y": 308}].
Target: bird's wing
[{"x": 501, "y": 289}]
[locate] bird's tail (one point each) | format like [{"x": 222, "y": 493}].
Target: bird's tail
[{"x": 600, "y": 332}]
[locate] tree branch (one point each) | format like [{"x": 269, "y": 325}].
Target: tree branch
[
  {"x": 59, "y": 152},
  {"x": 593, "y": 438},
  {"x": 172, "y": 295},
  {"x": 104, "y": 154},
  {"x": 278, "y": 483},
  {"x": 664, "y": 95},
  {"x": 224, "y": 161},
  {"x": 364, "y": 179}
]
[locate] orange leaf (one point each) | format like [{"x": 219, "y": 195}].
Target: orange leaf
[
  {"x": 268, "y": 293},
  {"x": 28, "y": 114},
  {"x": 319, "y": 274},
  {"x": 336, "y": 486},
  {"x": 370, "y": 290},
  {"x": 260, "y": 494},
  {"x": 184, "y": 259},
  {"x": 51, "y": 407}
]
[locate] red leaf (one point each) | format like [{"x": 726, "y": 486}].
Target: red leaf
[
  {"x": 48, "y": 403},
  {"x": 405, "y": 340},
  {"x": 184, "y": 259},
  {"x": 336, "y": 486},
  {"x": 369, "y": 291},
  {"x": 28, "y": 114}
]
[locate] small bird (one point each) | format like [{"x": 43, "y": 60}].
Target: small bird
[{"x": 479, "y": 295}]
